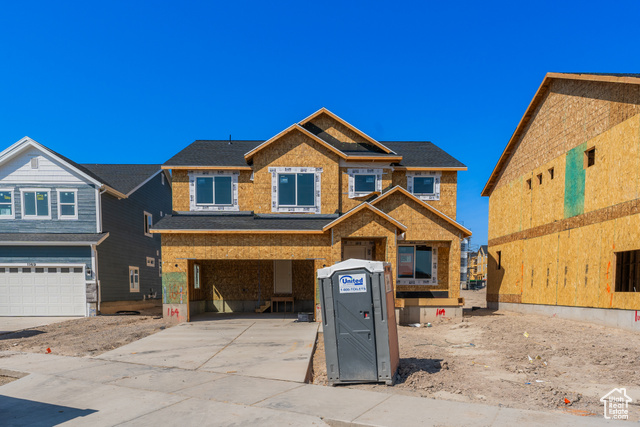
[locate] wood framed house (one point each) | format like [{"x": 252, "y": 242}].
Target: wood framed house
[
  {"x": 563, "y": 203},
  {"x": 253, "y": 220},
  {"x": 74, "y": 239}
]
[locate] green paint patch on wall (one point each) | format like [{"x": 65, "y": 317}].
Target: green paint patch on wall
[
  {"x": 174, "y": 288},
  {"x": 574, "y": 182}
]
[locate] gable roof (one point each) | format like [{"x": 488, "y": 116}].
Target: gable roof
[
  {"x": 537, "y": 99},
  {"x": 212, "y": 153},
  {"x": 125, "y": 178},
  {"x": 343, "y": 122},
  {"x": 397, "y": 189},
  {"x": 249, "y": 155},
  {"x": 360, "y": 207},
  {"x": 424, "y": 154}
]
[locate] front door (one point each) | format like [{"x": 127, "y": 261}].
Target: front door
[
  {"x": 353, "y": 310},
  {"x": 282, "y": 277}
]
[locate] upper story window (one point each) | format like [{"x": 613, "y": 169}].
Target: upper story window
[
  {"x": 36, "y": 203},
  {"x": 216, "y": 191},
  {"x": 424, "y": 185},
  {"x": 6, "y": 203},
  {"x": 295, "y": 189},
  {"x": 213, "y": 191},
  {"x": 363, "y": 182},
  {"x": 68, "y": 204},
  {"x": 148, "y": 223}
]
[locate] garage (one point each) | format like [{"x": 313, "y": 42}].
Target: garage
[{"x": 55, "y": 290}]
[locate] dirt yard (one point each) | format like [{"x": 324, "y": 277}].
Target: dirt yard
[
  {"x": 513, "y": 360},
  {"x": 87, "y": 336}
]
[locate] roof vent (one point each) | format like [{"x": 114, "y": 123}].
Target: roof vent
[{"x": 34, "y": 163}]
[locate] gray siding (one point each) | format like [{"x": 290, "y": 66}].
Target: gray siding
[
  {"x": 127, "y": 244},
  {"x": 46, "y": 255},
  {"x": 86, "y": 222}
]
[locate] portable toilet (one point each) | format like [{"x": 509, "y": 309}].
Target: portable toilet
[{"x": 359, "y": 322}]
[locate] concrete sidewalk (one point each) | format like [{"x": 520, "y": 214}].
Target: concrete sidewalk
[{"x": 105, "y": 393}]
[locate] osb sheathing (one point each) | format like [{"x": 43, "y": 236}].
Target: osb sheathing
[
  {"x": 181, "y": 196},
  {"x": 337, "y": 130},
  {"x": 571, "y": 112},
  {"x": 448, "y": 191},
  {"x": 296, "y": 149},
  {"x": 614, "y": 179},
  {"x": 346, "y": 204},
  {"x": 572, "y": 268},
  {"x": 249, "y": 280}
]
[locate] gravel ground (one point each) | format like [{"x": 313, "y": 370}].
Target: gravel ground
[
  {"x": 514, "y": 360},
  {"x": 87, "y": 336}
]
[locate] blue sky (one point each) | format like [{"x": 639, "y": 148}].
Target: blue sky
[{"x": 137, "y": 81}]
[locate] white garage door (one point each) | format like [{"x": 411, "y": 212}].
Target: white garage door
[{"x": 42, "y": 291}]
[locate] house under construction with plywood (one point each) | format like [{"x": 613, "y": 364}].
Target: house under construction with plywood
[
  {"x": 564, "y": 229},
  {"x": 253, "y": 221}
]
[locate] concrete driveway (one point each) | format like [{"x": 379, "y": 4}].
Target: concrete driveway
[
  {"x": 13, "y": 324},
  {"x": 262, "y": 346}
]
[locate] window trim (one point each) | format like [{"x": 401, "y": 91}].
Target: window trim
[
  {"x": 13, "y": 203},
  {"x": 137, "y": 272},
  {"x": 148, "y": 233},
  {"x": 194, "y": 175},
  {"x": 151, "y": 262},
  {"x": 433, "y": 281},
  {"x": 75, "y": 203},
  {"x": 317, "y": 185},
  {"x": 213, "y": 189},
  {"x": 35, "y": 190},
  {"x": 364, "y": 171},
  {"x": 427, "y": 174}
]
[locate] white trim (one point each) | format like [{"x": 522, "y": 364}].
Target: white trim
[
  {"x": 35, "y": 190},
  {"x": 98, "y": 210},
  {"x": 137, "y": 270},
  {"x": 40, "y": 265},
  {"x": 148, "y": 234},
  {"x": 425, "y": 174},
  {"x": 194, "y": 175},
  {"x": 433, "y": 281},
  {"x": 53, "y": 243},
  {"x": 377, "y": 172},
  {"x": 13, "y": 203},
  {"x": 317, "y": 172},
  {"x": 75, "y": 204}
]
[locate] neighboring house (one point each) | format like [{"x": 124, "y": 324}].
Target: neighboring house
[
  {"x": 478, "y": 264},
  {"x": 74, "y": 239},
  {"x": 254, "y": 220},
  {"x": 564, "y": 202}
]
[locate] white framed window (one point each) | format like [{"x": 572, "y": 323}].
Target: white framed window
[
  {"x": 417, "y": 265},
  {"x": 7, "y": 205},
  {"x": 196, "y": 276},
  {"x": 213, "y": 190},
  {"x": 295, "y": 189},
  {"x": 36, "y": 203},
  {"x": 424, "y": 185},
  {"x": 134, "y": 279},
  {"x": 151, "y": 262},
  {"x": 148, "y": 223},
  {"x": 363, "y": 182},
  {"x": 67, "y": 203}
]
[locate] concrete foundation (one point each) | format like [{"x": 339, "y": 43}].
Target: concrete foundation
[
  {"x": 417, "y": 314},
  {"x": 227, "y": 306},
  {"x": 616, "y": 318},
  {"x": 175, "y": 313},
  {"x": 115, "y": 306}
]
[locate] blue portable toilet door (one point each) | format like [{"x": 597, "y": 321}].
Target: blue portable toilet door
[{"x": 353, "y": 309}]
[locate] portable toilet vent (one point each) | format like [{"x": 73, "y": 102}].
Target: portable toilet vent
[{"x": 359, "y": 322}]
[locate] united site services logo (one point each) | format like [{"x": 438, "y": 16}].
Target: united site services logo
[
  {"x": 352, "y": 283},
  {"x": 616, "y": 404}
]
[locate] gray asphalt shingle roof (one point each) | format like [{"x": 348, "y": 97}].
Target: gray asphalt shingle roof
[
  {"x": 221, "y": 153},
  {"x": 50, "y": 237},
  {"x": 246, "y": 222},
  {"x": 122, "y": 177}
]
